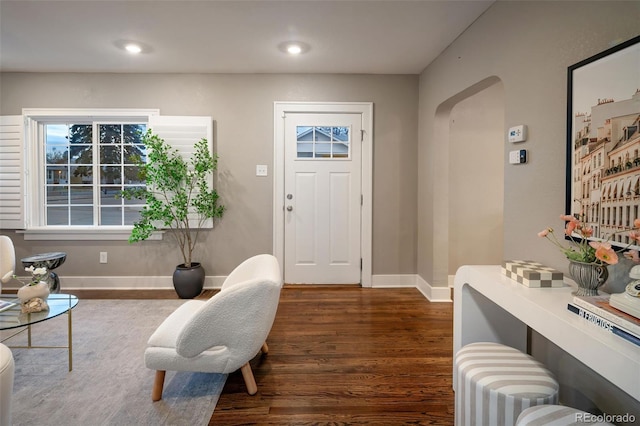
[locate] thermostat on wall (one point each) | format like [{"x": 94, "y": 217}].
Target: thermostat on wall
[{"x": 518, "y": 133}]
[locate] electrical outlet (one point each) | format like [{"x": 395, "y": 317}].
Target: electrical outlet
[
  {"x": 103, "y": 257},
  {"x": 261, "y": 170}
]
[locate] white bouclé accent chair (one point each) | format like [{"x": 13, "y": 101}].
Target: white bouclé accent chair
[
  {"x": 7, "y": 371},
  {"x": 7, "y": 260},
  {"x": 222, "y": 334}
]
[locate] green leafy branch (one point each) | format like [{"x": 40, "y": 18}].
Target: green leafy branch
[{"x": 175, "y": 188}]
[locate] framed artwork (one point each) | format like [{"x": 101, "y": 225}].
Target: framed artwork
[{"x": 603, "y": 141}]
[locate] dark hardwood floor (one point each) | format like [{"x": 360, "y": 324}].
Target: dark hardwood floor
[
  {"x": 349, "y": 355},
  {"x": 344, "y": 355}
]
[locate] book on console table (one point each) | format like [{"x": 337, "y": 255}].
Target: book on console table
[
  {"x": 599, "y": 305},
  {"x": 604, "y": 324}
]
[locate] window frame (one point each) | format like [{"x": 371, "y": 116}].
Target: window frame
[
  {"x": 35, "y": 120},
  {"x": 315, "y": 142}
]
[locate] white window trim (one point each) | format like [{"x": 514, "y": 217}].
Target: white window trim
[
  {"x": 49, "y": 234},
  {"x": 44, "y": 114},
  {"x": 31, "y": 183},
  {"x": 35, "y": 117}
]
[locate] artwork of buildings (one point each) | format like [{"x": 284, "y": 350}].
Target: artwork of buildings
[{"x": 606, "y": 166}]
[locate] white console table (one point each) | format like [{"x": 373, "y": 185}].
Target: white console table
[{"x": 488, "y": 306}]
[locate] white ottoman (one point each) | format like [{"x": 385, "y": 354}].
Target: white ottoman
[
  {"x": 495, "y": 383},
  {"x": 557, "y": 415},
  {"x": 7, "y": 367}
]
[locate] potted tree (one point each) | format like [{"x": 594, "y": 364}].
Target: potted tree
[{"x": 179, "y": 196}]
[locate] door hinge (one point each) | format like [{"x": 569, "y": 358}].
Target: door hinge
[
  {"x": 361, "y": 264},
  {"x": 361, "y": 199},
  {"x": 361, "y": 135}
]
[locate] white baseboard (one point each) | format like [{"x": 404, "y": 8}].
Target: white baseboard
[
  {"x": 124, "y": 283},
  {"x": 433, "y": 294}
]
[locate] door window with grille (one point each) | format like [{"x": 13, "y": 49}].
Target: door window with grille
[{"x": 317, "y": 142}]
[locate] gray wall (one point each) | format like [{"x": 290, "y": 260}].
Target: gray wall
[
  {"x": 476, "y": 179},
  {"x": 242, "y": 108},
  {"x": 529, "y": 56},
  {"x": 527, "y": 46}
]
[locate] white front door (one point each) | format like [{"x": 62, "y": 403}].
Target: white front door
[{"x": 322, "y": 187}]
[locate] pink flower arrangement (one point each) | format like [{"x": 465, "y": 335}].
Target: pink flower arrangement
[{"x": 582, "y": 250}]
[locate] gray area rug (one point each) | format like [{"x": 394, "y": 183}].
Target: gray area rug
[{"x": 109, "y": 384}]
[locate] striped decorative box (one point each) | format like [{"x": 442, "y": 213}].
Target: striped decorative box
[{"x": 532, "y": 274}]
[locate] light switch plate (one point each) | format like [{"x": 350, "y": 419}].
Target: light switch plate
[{"x": 518, "y": 157}]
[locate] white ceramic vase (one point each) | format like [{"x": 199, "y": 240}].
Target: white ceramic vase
[{"x": 29, "y": 292}]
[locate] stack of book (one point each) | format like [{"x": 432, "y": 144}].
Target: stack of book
[{"x": 598, "y": 311}]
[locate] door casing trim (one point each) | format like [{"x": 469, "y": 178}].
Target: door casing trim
[{"x": 365, "y": 109}]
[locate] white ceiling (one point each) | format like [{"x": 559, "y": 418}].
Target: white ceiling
[{"x": 210, "y": 36}]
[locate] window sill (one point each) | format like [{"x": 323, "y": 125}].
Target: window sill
[{"x": 66, "y": 234}]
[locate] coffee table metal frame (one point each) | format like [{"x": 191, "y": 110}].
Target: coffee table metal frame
[{"x": 59, "y": 304}]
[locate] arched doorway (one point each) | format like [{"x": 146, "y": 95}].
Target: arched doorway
[{"x": 476, "y": 179}]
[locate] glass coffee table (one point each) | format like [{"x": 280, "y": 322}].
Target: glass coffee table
[{"x": 11, "y": 318}]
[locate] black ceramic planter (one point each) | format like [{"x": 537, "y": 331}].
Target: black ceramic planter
[{"x": 188, "y": 281}]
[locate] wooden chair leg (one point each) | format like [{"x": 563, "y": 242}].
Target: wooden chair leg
[
  {"x": 158, "y": 384},
  {"x": 249, "y": 380},
  {"x": 265, "y": 348}
]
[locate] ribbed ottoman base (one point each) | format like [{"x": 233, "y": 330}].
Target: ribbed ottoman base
[
  {"x": 495, "y": 383},
  {"x": 557, "y": 415}
]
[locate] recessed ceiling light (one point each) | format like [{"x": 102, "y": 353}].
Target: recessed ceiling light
[
  {"x": 133, "y": 47},
  {"x": 294, "y": 47}
]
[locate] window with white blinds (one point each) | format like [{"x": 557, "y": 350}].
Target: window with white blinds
[
  {"x": 11, "y": 173},
  {"x": 61, "y": 170}
]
